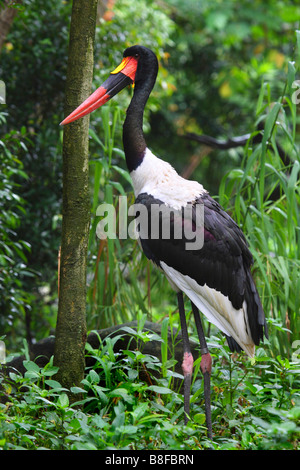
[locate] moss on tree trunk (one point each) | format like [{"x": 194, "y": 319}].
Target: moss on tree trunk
[{"x": 71, "y": 319}]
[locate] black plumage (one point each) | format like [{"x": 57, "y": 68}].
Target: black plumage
[{"x": 223, "y": 263}]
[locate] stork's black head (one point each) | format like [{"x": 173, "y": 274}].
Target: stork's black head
[{"x": 147, "y": 64}]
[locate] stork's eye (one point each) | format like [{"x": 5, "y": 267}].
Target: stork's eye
[{"x": 137, "y": 56}]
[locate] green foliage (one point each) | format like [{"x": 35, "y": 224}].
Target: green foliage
[
  {"x": 33, "y": 67},
  {"x": 13, "y": 252},
  {"x": 264, "y": 196},
  {"x": 255, "y": 406}
]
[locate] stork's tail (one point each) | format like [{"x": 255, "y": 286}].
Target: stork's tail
[{"x": 256, "y": 318}]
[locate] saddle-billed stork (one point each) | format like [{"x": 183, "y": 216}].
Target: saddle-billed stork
[{"x": 216, "y": 278}]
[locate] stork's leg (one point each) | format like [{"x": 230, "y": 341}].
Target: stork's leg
[
  {"x": 205, "y": 368},
  {"x": 187, "y": 364}
]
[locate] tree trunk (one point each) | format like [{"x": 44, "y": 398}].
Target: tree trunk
[{"x": 71, "y": 319}]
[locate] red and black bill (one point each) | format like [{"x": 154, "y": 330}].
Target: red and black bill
[{"x": 121, "y": 77}]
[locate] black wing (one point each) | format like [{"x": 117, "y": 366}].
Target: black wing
[{"x": 223, "y": 263}]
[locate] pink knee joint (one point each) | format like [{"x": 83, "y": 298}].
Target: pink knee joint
[
  {"x": 206, "y": 363},
  {"x": 187, "y": 364}
]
